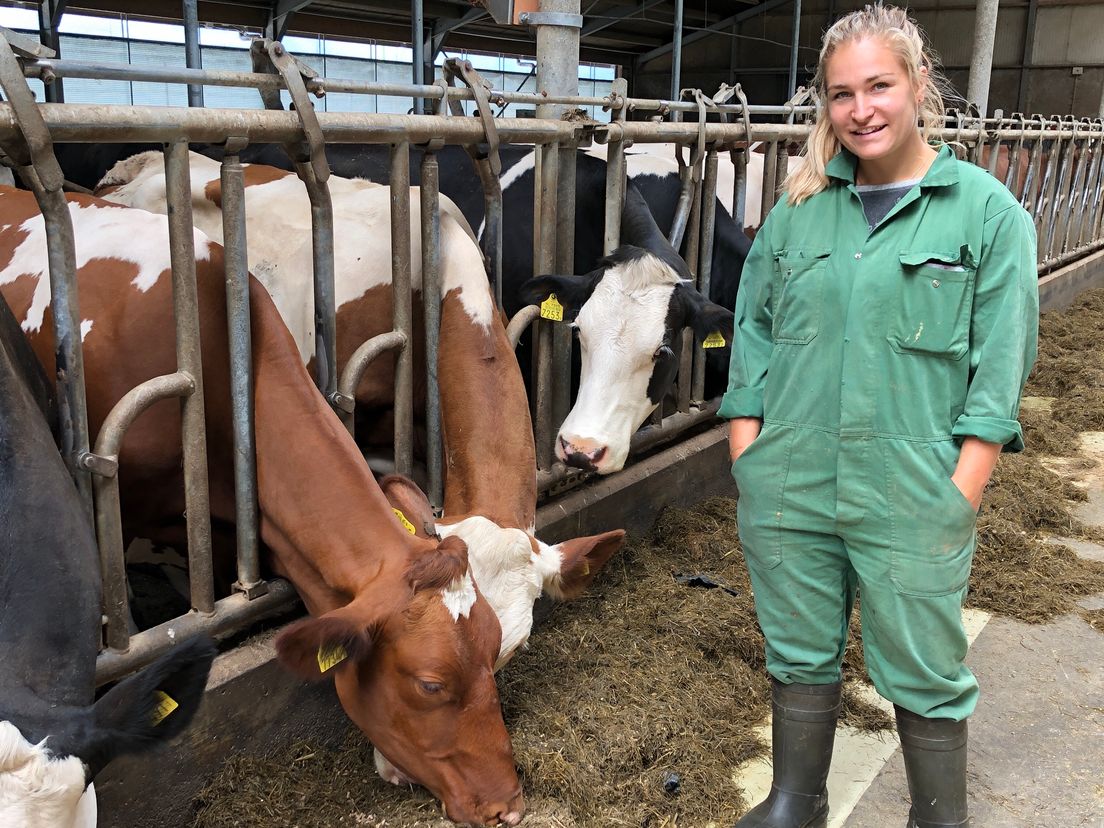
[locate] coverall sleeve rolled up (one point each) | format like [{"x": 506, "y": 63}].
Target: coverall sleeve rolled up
[
  {"x": 1004, "y": 330},
  {"x": 751, "y": 337}
]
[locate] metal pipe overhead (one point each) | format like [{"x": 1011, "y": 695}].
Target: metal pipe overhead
[
  {"x": 417, "y": 42},
  {"x": 676, "y": 57},
  {"x": 193, "y": 58},
  {"x": 791, "y": 85},
  {"x": 981, "y": 63}
]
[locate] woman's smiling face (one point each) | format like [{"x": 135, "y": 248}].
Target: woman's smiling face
[{"x": 872, "y": 104}]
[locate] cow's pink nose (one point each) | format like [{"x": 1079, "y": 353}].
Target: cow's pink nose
[
  {"x": 582, "y": 453},
  {"x": 509, "y": 814}
]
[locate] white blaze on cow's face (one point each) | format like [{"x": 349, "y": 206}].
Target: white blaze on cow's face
[
  {"x": 40, "y": 791},
  {"x": 511, "y": 569},
  {"x": 629, "y": 357}
]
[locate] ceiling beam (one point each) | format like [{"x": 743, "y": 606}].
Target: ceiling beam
[
  {"x": 716, "y": 28},
  {"x": 614, "y": 16}
]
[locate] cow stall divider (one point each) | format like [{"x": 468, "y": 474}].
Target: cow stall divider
[{"x": 1054, "y": 166}]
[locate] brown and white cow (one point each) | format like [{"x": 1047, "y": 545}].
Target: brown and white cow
[
  {"x": 419, "y": 641},
  {"x": 490, "y": 481}
]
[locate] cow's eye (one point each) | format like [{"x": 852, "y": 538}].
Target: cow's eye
[
  {"x": 662, "y": 352},
  {"x": 430, "y": 688}
]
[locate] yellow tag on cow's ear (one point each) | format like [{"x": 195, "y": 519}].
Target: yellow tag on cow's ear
[
  {"x": 329, "y": 657},
  {"x": 166, "y": 704},
  {"x": 714, "y": 340},
  {"x": 407, "y": 525},
  {"x": 551, "y": 309}
]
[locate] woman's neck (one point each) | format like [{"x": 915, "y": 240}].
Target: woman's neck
[{"x": 907, "y": 165}]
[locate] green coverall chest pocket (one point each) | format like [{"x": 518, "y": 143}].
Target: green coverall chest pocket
[
  {"x": 799, "y": 285},
  {"x": 933, "y": 308}
]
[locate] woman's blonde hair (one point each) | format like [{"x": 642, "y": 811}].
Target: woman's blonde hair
[{"x": 893, "y": 27}]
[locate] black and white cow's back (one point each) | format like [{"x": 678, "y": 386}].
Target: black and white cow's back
[{"x": 53, "y": 738}]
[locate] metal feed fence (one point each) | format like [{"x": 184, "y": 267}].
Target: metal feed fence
[{"x": 1056, "y": 171}]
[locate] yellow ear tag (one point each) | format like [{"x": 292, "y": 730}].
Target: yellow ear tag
[
  {"x": 166, "y": 704},
  {"x": 714, "y": 340},
  {"x": 329, "y": 657},
  {"x": 407, "y": 525},
  {"x": 551, "y": 309}
]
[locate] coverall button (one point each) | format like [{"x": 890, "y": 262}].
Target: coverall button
[
  {"x": 858, "y": 255},
  {"x": 935, "y": 283}
]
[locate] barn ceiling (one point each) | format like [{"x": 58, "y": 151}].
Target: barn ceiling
[{"x": 614, "y": 31}]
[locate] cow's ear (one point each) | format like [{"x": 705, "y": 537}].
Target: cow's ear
[
  {"x": 440, "y": 567},
  {"x": 411, "y": 506},
  {"x": 143, "y": 710},
  {"x": 571, "y": 291},
  {"x": 316, "y": 648},
  {"x": 706, "y": 317},
  {"x": 582, "y": 559}
]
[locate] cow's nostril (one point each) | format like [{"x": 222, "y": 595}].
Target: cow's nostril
[{"x": 599, "y": 454}]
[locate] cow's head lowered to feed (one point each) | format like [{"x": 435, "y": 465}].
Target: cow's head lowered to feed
[{"x": 413, "y": 666}]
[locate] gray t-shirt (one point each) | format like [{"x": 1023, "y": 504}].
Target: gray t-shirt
[{"x": 878, "y": 199}]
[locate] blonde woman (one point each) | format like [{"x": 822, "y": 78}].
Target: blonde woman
[{"x": 887, "y": 319}]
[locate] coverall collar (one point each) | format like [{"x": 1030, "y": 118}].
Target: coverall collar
[{"x": 942, "y": 172}]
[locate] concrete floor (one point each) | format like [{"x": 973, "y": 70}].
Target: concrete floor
[{"x": 1036, "y": 739}]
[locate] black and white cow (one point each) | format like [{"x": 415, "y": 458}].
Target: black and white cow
[
  {"x": 54, "y": 738},
  {"x": 629, "y": 313}
]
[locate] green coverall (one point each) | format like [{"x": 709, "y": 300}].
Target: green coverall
[{"x": 869, "y": 355}]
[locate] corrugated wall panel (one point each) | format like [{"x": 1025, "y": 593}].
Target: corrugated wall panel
[{"x": 1052, "y": 35}]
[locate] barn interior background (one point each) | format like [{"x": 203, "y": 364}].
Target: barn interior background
[{"x": 1037, "y": 57}]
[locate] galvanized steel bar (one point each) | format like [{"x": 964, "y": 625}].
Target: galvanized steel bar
[
  {"x": 431, "y": 309},
  {"x": 30, "y": 147},
  {"x": 325, "y": 309},
  {"x": 795, "y": 44},
  {"x": 521, "y": 320},
  {"x": 113, "y": 124},
  {"x": 354, "y": 369},
  {"x": 544, "y": 261},
  {"x": 676, "y": 57},
  {"x": 178, "y": 191},
  {"x": 1076, "y": 201},
  {"x": 1059, "y": 198},
  {"x": 708, "y": 225},
  {"x": 193, "y": 56},
  {"x": 770, "y": 180},
  {"x": 38, "y": 67},
  {"x": 241, "y": 376},
  {"x": 615, "y": 177},
  {"x": 402, "y": 307},
  {"x": 109, "y": 525},
  {"x": 685, "y": 379},
  {"x": 228, "y": 614},
  {"x": 981, "y": 57},
  {"x": 739, "y": 158},
  {"x": 109, "y": 531},
  {"x": 417, "y": 43},
  {"x": 562, "y": 342}
]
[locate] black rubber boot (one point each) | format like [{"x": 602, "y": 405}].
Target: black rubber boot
[
  {"x": 935, "y": 763},
  {"x": 803, "y": 730}
]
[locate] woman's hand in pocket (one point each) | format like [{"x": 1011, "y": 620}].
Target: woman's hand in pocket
[{"x": 742, "y": 431}]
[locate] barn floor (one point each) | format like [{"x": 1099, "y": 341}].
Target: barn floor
[{"x": 1035, "y": 752}]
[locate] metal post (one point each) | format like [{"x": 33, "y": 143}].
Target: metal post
[
  {"x": 241, "y": 376},
  {"x": 417, "y": 43},
  {"x": 178, "y": 189},
  {"x": 981, "y": 62},
  {"x": 565, "y": 263},
  {"x": 705, "y": 257},
  {"x": 49, "y": 18},
  {"x": 791, "y": 85},
  {"x": 545, "y": 192},
  {"x": 431, "y": 307},
  {"x": 676, "y": 54},
  {"x": 1028, "y": 56},
  {"x": 615, "y": 175},
  {"x": 192, "y": 55},
  {"x": 557, "y": 52},
  {"x": 402, "y": 309}
]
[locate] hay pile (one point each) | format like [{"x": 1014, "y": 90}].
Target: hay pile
[{"x": 646, "y": 678}]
